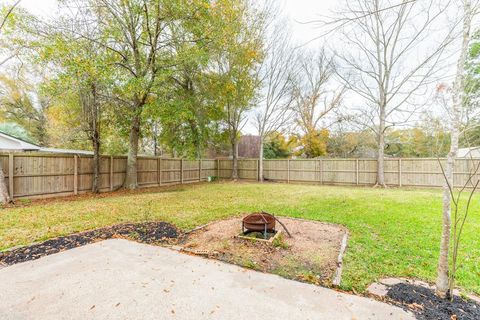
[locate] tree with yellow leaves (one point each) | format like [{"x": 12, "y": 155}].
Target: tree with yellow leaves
[{"x": 234, "y": 77}]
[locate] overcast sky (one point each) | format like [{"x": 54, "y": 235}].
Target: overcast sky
[{"x": 299, "y": 12}]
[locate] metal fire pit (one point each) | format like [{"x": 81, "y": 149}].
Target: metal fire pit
[{"x": 259, "y": 222}]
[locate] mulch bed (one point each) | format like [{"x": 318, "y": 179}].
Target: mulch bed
[
  {"x": 148, "y": 232},
  {"x": 426, "y": 305}
]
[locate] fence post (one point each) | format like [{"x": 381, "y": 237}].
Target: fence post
[
  {"x": 218, "y": 169},
  {"x": 10, "y": 175},
  {"x": 75, "y": 174},
  {"x": 181, "y": 171},
  {"x": 258, "y": 169},
  {"x": 400, "y": 172},
  {"x": 199, "y": 170},
  {"x": 288, "y": 170},
  {"x": 356, "y": 172},
  {"x": 111, "y": 173},
  {"x": 159, "y": 171}
]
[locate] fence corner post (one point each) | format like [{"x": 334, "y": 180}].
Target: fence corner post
[
  {"x": 10, "y": 175},
  {"x": 75, "y": 174},
  {"x": 218, "y": 169}
]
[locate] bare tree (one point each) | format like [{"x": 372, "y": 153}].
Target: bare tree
[
  {"x": 459, "y": 218},
  {"x": 315, "y": 93},
  {"x": 389, "y": 58},
  {"x": 276, "y": 85},
  {"x": 456, "y": 99}
]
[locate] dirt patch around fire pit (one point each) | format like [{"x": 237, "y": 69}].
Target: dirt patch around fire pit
[
  {"x": 311, "y": 255},
  {"x": 146, "y": 232}
]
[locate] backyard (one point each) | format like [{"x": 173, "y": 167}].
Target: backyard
[{"x": 392, "y": 232}]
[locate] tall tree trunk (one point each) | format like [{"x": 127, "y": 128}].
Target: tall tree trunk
[
  {"x": 155, "y": 146},
  {"x": 42, "y": 134},
  {"x": 4, "y": 196},
  {"x": 197, "y": 139},
  {"x": 96, "y": 162},
  {"x": 199, "y": 151},
  {"x": 131, "y": 181},
  {"x": 95, "y": 136},
  {"x": 443, "y": 264},
  {"x": 260, "y": 160},
  {"x": 155, "y": 138},
  {"x": 235, "y": 159},
  {"x": 442, "y": 283},
  {"x": 381, "y": 150}
]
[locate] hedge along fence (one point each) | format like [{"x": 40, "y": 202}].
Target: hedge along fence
[{"x": 31, "y": 175}]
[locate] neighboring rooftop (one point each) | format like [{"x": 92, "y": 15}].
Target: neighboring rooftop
[
  {"x": 472, "y": 152},
  {"x": 9, "y": 143}
]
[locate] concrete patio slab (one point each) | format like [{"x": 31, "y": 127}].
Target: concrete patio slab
[{"x": 119, "y": 279}]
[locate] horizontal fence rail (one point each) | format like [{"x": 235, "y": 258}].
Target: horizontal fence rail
[{"x": 30, "y": 175}]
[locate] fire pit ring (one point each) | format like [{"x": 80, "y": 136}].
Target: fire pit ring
[{"x": 259, "y": 222}]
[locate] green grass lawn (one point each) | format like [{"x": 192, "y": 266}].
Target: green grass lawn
[{"x": 393, "y": 232}]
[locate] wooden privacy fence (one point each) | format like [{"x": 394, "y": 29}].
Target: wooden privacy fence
[
  {"x": 40, "y": 175},
  {"x": 415, "y": 172}
]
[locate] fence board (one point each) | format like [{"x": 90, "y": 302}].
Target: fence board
[
  {"x": 248, "y": 169},
  {"x": 415, "y": 172},
  {"x": 170, "y": 171}
]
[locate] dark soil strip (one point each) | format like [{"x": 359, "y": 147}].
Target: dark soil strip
[
  {"x": 426, "y": 305},
  {"x": 148, "y": 232}
]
